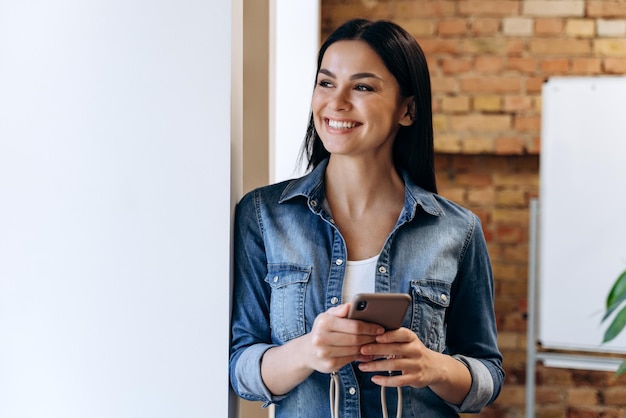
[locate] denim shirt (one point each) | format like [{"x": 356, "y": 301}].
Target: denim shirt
[{"x": 290, "y": 261}]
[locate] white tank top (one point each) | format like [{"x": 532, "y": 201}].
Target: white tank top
[{"x": 360, "y": 278}]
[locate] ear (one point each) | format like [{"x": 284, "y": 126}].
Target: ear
[{"x": 409, "y": 115}]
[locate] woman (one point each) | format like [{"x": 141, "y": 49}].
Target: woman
[{"x": 365, "y": 218}]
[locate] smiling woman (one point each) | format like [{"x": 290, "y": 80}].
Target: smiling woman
[
  {"x": 357, "y": 106},
  {"x": 365, "y": 217}
]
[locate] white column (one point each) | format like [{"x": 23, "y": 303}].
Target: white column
[
  {"x": 115, "y": 205},
  {"x": 294, "y": 41}
]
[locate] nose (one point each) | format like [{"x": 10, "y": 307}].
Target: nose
[{"x": 340, "y": 100}]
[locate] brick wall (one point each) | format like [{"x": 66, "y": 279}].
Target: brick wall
[{"x": 488, "y": 60}]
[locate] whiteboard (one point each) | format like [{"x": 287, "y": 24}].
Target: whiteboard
[{"x": 582, "y": 220}]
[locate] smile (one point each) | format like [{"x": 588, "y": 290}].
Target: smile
[{"x": 336, "y": 124}]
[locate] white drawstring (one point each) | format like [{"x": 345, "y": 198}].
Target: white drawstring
[
  {"x": 334, "y": 395},
  {"x": 335, "y": 391},
  {"x": 383, "y": 402}
]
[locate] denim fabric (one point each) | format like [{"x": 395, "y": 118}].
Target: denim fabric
[{"x": 290, "y": 261}]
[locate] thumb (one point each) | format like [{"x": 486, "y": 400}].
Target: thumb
[{"x": 340, "y": 311}]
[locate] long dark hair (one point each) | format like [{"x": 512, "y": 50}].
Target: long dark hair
[{"x": 413, "y": 149}]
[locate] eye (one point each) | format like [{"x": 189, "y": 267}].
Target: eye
[
  {"x": 324, "y": 83},
  {"x": 363, "y": 87}
]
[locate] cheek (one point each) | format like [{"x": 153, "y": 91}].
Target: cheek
[{"x": 316, "y": 108}]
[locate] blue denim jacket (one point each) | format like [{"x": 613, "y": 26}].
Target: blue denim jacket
[{"x": 290, "y": 261}]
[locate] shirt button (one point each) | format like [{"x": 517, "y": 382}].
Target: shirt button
[
  {"x": 313, "y": 203},
  {"x": 334, "y": 300},
  {"x": 275, "y": 279},
  {"x": 339, "y": 261},
  {"x": 382, "y": 269},
  {"x": 444, "y": 297},
  {"x": 332, "y": 221},
  {"x": 352, "y": 391}
]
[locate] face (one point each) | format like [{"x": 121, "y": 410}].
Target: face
[{"x": 357, "y": 107}]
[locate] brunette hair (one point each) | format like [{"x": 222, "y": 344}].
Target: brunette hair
[{"x": 413, "y": 149}]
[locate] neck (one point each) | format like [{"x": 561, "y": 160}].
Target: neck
[{"x": 356, "y": 186}]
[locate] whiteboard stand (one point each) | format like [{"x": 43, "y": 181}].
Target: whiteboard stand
[{"x": 533, "y": 355}]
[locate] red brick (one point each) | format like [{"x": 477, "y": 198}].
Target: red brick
[
  {"x": 491, "y": 85},
  {"x": 555, "y": 66},
  {"x": 549, "y": 395},
  {"x": 477, "y": 145},
  {"x": 582, "y": 396},
  {"x": 615, "y": 396},
  {"x": 474, "y": 179},
  {"x": 511, "y": 234},
  {"x": 480, "y": 123},
  {"x": 511, "y": 197},
  {"x": 549, "y": 26},
  {"x": 488, "y": 64},
  {"x": 444, "y": 84},
  {"x": 484, "y": 26},
  {"x": 517, "y": 103},
  {"x": 423, "y": 8},
  {"x": 451, "y": 27},
  {"x": 513, "y": 395},
  {"x": 508, "y": 145},
  {"x": 560, "y": 47},
  {"x": 614, "y": 65},
  {"x": 534, "y": 84},
  {"x": 523, "y": 65},
  {"x": 456, "y": 65},
  {"x": 527, "y": 123},
  {"x": 493, "y": 46},
  {"x": 455, "y": 104},
  {"x": 610, "y": 47},
  {"x": 606, "y": 9},
  {"x": 440, "y": 46},
  {"x": 419, "y": 28},
  {"x": 586, "y": 66},
  {"x": 489, "y": 7},
  {"x": 482, "y": 196}
]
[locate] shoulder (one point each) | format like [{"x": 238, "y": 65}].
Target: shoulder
[{"x": 453, "y": 209}]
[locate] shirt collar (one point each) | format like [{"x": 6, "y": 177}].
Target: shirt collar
[{"x": 311, "y": 187}]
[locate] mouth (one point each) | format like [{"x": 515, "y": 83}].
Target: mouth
[{"x": 341, "y": 124}]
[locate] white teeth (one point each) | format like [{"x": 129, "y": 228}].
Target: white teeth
[{"x": 335, "y": 124}]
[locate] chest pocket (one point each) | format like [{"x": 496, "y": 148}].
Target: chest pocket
[
  {"x": 288, "y": 283},
  {"x": 431, "y": 298}
]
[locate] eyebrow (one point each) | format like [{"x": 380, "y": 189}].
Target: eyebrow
[{"x": 356, "y": 76}]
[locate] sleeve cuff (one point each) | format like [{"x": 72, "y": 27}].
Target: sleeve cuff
[
  {"x": 481, "y": 390},
  {"x": 250, "y": 384}
]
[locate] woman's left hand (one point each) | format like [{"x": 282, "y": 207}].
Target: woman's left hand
[{"x": 401, "y": 351}]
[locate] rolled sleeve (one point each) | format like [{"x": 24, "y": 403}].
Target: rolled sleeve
[
  {"x": 248, "y": 375},
  {"x": 482, "y": 389}
]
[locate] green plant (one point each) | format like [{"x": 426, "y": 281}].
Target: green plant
[{"x": 616, "y": 301}]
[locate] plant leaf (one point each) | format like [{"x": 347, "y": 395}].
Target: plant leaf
[
  {"x": 613, "y": 307},
  {"x": 618, "y": 291},
  {"x": 618, "y": 324},
  {"x": 616, "y": 296},
  {"x": 621, "y": 369}
]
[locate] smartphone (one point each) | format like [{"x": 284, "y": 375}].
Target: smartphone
[{"x": 386, "y": 309}]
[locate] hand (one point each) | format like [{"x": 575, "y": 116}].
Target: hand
[
  {"x": 401, "y": 350},
  {"x": 337, "y": 340}
]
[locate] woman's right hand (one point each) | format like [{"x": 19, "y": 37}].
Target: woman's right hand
[
  {"x": 337, "y": 340},
  {"x": 333, "y": 342}
]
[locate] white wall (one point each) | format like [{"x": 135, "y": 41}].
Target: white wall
[{"x": 114, "y": 208}]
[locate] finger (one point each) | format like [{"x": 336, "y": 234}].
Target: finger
[
  {"x": 382, "y": 350},
  {"x": 400, "y": 335},
  {"x": 381, "y": 365},
  {"x": 395, "y": 380},
  {"x": 340, "y": 311}
]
